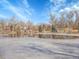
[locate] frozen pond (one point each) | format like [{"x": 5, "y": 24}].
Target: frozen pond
[{"x": 35, "y": 48}]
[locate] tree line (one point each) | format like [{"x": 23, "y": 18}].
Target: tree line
[
  {"x": 61, "y": 22},
  {"x": 65, "y": 19}
]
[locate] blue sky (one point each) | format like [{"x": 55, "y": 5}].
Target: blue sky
[{"x": 35, "y": 10}]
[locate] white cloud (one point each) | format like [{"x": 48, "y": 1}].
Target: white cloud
[
  {"x": 74, "y": 7},
  {"x": 51, "y": 0},
  {"x": 61, "y": 10},
  {"x": 25, "y": 2},
  {"x": 14, "y": 10},
  {"x": 57, "y": 1},
  {"x": 28, "y": 12},
  {"x": 2, "y": 16},
  {"x": 18, "y": 11},
  {"x": 67, "y": 9},
  {"x": 57, "y": 5},
  {"x": 27, "y": 7}
]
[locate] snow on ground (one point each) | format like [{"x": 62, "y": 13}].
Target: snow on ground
[{"x": 36, "y": 48}]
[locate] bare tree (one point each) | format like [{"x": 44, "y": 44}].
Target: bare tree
[
  {"x": 62, "y": 21},
  {"x": 53, "y": 22},
  {"x": 77, "y": 19},
  {"x": 69, "y": 20}
]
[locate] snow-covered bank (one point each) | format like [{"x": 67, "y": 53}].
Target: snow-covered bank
[{"x": 36, "y": 48}]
